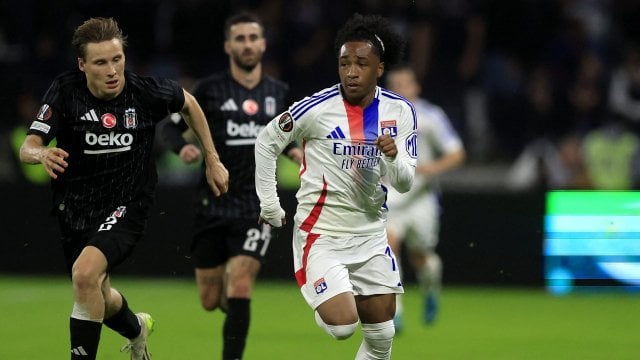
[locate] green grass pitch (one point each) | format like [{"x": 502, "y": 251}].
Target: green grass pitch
[{"x": 474, "y": 323}]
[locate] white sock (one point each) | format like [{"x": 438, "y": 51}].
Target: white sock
[
  {"x": 430, "y": 276},
  {"x": 376, "y": 341}
]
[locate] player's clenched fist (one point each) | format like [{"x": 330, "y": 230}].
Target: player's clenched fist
[{"x": 386, "y": 144}]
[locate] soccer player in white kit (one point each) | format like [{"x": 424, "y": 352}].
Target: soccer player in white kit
[
  {"x": 352, "y": 134},
  {"x": 414, "y": 216}
]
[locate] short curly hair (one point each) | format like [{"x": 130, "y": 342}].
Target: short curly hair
[{"x": 387, "y": 43}]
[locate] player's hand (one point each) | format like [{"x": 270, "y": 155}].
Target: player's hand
[
  {"x": 217, "y": 177},
  {"x": 296, "y": 154},
  {"x": 273, "y": 215},
  {"x": 387, "y": 145},
  {"x": 54, "y": 161},
  {"x": 190, "y": 154}
]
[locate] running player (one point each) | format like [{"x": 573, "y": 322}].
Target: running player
[
  {"x": 229, "y": 245},
  {"x": 352, "y": 134},
  {"x": 414, "y": 216},
  {"x": 103, "y": 174}
]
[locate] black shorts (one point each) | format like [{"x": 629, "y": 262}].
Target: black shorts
[
  {"x": 116, "y": 236},
  {"x": 226, "y": 238}
]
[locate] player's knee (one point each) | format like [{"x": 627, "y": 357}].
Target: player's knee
[
  {"x": 240, "y": 289},
  {"x": 209, "y": 306},
  {"x": 342, "y": 332},
  {"x": 377, "y": 340},
  {"x": 338, "y": 332},
  {"x": 383, "y": 331},
  {"x": 209, "y": 302},
  {"x": 84, "y": 280},
  {"x": 434, "y": 263}
]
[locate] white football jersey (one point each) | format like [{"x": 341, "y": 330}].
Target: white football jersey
[
  {"x": 436, "y": 137},
  {"x": 341, "y": 192}
]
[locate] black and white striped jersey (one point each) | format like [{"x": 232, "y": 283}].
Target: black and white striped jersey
[
  {"x": 109, "y": 143},
  {"x": 235, "y": 115}
]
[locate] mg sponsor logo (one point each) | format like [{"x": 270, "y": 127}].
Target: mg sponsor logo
[{"x": 113, "y": 142}]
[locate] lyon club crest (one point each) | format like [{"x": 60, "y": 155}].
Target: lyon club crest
[
  {"x": 130, "y": 118},
  {"x": 389, "y": 127}
]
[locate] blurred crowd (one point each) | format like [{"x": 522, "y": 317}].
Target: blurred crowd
[{"x": 548, "y": 88}]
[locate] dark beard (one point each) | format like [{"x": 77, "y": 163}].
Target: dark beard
[{"x": 245, "y": 67}]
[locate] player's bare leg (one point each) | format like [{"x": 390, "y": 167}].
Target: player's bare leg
[
  {"x": 338, "y": 316},
  {"x": 88, "y": 274},
  {"x": 210, "y": 285},
  {"x": 97, "y": 303}
]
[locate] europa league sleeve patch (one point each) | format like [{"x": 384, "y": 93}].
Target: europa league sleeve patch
[
  {"x": 285, "y": 123},
  {"x": 44, "y": 113}
]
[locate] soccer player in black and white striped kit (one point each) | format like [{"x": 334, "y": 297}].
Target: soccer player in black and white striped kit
[
  {"x": 229, "y": 245},
  {"x": 103, "y": 174}
]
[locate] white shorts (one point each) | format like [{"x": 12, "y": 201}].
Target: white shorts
[
  {"x": 329, "y": 265},
  {"x": 417, "y": 223}
]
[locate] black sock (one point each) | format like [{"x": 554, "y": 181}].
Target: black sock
[
  {"x": 124, "y": 322},
  {"x": 236, "y": 327},
  {"x": 85, "y": 336}
]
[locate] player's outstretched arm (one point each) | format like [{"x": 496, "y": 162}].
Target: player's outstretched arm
[
  {"x": 53, "y": 159},
  {"x": 217, "y": 174},
  {"x": 267, "y": 149}
]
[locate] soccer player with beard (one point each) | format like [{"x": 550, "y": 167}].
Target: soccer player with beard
[
  {"x": 103, "y": 174},
  {"x": 353, "y": 133},
  {"x": 229, "y": 245}
]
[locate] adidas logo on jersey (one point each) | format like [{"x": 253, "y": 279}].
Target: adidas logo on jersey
[
  {"x": 336, "y": 134},
  {"x": 90, "y": 116},
  {"x": 229, "y": 105}
]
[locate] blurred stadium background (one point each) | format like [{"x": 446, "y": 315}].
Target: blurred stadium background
[{"x": 544, "y": 93}]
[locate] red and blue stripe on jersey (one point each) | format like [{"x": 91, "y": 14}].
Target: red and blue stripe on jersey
[{"x": 363, "y": 127}]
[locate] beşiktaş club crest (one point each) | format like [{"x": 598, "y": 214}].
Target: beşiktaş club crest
[
  {"x": 270, "y": 105},
  {"x": 130, "y": 118}
]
